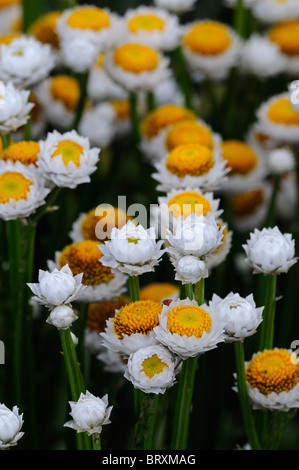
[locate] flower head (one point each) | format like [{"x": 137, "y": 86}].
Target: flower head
[
  {"x": 281, "y": 161},
  {"x": 262, "y": 57},
  {"x": 62, "y": 317},
  {"x": 89, "y": 413},
  {"x": 269, "y": 251},
  {"x": 15, "y": 109},
  {"x": 11, "y": 423},
  {"x": 176, "y": 6}
]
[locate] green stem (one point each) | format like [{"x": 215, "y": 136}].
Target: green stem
[
  {"x": 183, "y": 78},
  {"x": 6, "y": 141},
  {"x": 270, "y": 218},
  {"x": 150, "y": 99},
  {"x": 243, "y": 397},
  {"x": 96, "y": 442},
  {"x": 148, "y": 417},
  {"x": 46, "y": 207},
  {"x": 267, "y": 326},
  {"x": 240, "y": 18},
  {"x": 189, "y": 291},
  {"x": 134, "y": 117},
  {"x": 134, "y": 288},
  {"x": 199, "y": 292},
  {"x": 83, "y": 81}
]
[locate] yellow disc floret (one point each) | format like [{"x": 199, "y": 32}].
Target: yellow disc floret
[
  {"x": 189, "y": 132},
  {"x": 65, "y": 89},
  {"x": 13, "y": 185},
  {"x": 153, "y": 365},
  {"x": 158, "y": 291},
  {"x": 164, "y": 116},
  {"x": 185, "y": 203},
  {"x": 208, "y": 38},
  {"x": 25, "y": 152},
  {"x": 285, "y": 35},
  {"x": 190, "y": 159},
  {"x": 146, "y": 22},
  {"x": 137, "y": 317},
  {"x": 69, "y": 151},
  {"x": 136, "y": 58},
  {"x": 272, "y": 371},
  {"x": 96, "y": 226},
  {"x": 89, "y": 17},
  {"x": 99, "y": 312},
  {"x": 281, "y": 112},
  {"x": 247, "y": 203},
  {"x": 240, "y": 157},
  {"x": 188, "y": 320},
  {"x": 84, "y": 257}
]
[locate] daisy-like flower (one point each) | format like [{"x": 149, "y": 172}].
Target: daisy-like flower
[
  {"x": 240, "y": 315},
  {"x": 218, "y": 256},
  {"x": 59, "y": 97},
  {"x": 22, "y": 191},
  {"x": 26, "y": 61},
  {"x": 67, "y": 159},
  {"x": 151, "y": 369},
  {"x": 44, "y": 29},
  {"x": 274, "y": 11},
  {"x": 78, "y": 53},
  {"x": 246, "y": 166},
  {"x": 189, "y": 269},
  {"x": 100, "y": 86},
  {"x": 25, "y": 152},
  {"x": 15, "y": 109},
  {"x": 188, "y": 329},
  {"x": 211, "y": 48},
  {"x": 159, "y": 291},
  {"x": 273, "y": 380},
  {"x": 132, "y": 327},
  {"x": 57, "y": 287},
  {"x": 89, "y": 413},
  {"x": 132, "y": 250},
  {"x": 10, "y": 15},
  {"x": 99, "y": 281},
  {"x": 153, "y": 26},
  {"x": 249, "y": 208},
  {"x": 191, "y": 165},
  {"x": 281, "y": 161},
  {"x": 136, "y": 66},
  {"x": 269, "y": 251},
  {"x": 262, "y": 57},
  {"x": 285, "y": 35},
  {"x": 175, "y": 6},
  {"x": 102, "y": 135},
  {"x": 11, "y": 423}
]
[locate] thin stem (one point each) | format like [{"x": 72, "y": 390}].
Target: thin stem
[
  {"x": 243, "y": 397},
  {"x": 150, "y": 99},
  {"x": 199, "y": 292},
  {"x": 267, "y": 326},
  {"x": 189, "y": 291},
  {"x": 240, "y": 18},
  {"x": 148, "y": 418},
  {"x": 134, "y": 117},
  {"x": 6, "y": 141},
  {"x": 183, "y": 78},
  {"x": 46, "y": 207},
  {"x": 96, "y": 441},
  {"x": 270, "y": 218},
  {"x": 134, "y": 288}
]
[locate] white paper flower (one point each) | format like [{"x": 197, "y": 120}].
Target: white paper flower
[
  {"x": 270, "y": 252},
  {"x": 189, "y": 269},
  {"x": 67, "y": 159},
  {"x": 10, "y": 14},
  {"x": 188, "y": 329},
  {"x": 62, "y": 317},
  {"x": 26, "y": 61},
  {"x": 78, "y": 54},
  {"x": 132, "y": 250},
  {"x": 11, "y": 423},
  {"x": 22, "y": 190},
  {"x": 57, "y": 287},
  {"x": 151, "y": 369},
  {"x": 281, "y": 160},
  {"x": 215, "y": 259},
  {"x": 275, "y": 11},
  {"x": 99, "y": 135},
  {"x": 100, "y": 85},
  {"x": 14, "y": 108},
  {"x": 240, "y": 315},
  {"x": 176, "y": 6},
  {"x": 89, "y": 413},
  {"x": 262, "y": 57}
]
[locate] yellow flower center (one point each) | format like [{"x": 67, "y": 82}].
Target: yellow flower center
[
  {"x": 99, "y": 312},
  {"x": 247, "y": 203},
  {"x": 183, "y": 204},
  {"x": 44, "y": 29},
  {"x": 66, "y": 89},
  {"x": 25, "y": 152},
  {"x": 153, "y": 365},
  {"x": 272, "y": 371},
  {"x": 122, "y": 109},
  {"x": 136, "y": 58},
  {"x": 239, "y": 156},
  {"x": 286, "y": 35},
  {"x": 188, "y": 320},
  {"x": 190, "y": 159},
  {"x": 7, "y": 3},
  {"x": 89, "y": 17},
  {"x": 208, "y": 38},
  {"x": 164, "y": 116},
  {"x": 84, "y": 257},
  {"x": 158, "y": 291},
  {"x": 70, "y": 152},
  {"x": 92, "y": 225},
  {"x": 137, "y": 317},
  {"x": 146, "y": 22},
  {"x": 13, "y": 185},
  {"x": 281, "y": 112},
  {"x": 8, "y": 38},
  {"x": 189, "y": 132}
]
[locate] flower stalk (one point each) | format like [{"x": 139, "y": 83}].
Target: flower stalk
[{"x": 267, "y": 326}]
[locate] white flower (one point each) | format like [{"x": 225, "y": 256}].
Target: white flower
[
  {"x": 240, "y": 315},
  {"x": 78, "y": 53},
  {"x": 11, "y": 423},
  {"x": 262, "y": 57},
  {"x": 14, "y": 108},
  {"x": 57, "y": 287},
  {"x": 216, "y": 258},
  {"x": 22, "y": 190},
  {"x": 26, "y": 61},
  {"x": 62, "y": 317},
  {"x": 176, "y": 6},
  {"x": 99, "y": 135},
  {"x": 188, "y": 329},
  {"x": 132, "y": 250},
  {"x": 89, "y": 413},
  {"x": 151, "y": 369},
  {"x": 270, "y": 252},
  {"x": 100, "y": 85},
  {"x": 153, "y": 26},
  {"x": 67, "y": 159},
  {"x": 144, "y": 70},
  {"x": 9, "y": 17},
  {"x": 189, "y": 269},
  {"x": 274, "y": 11},
  {"x": 287, "y": 196},
  {"x": 281, "y": 160}
]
